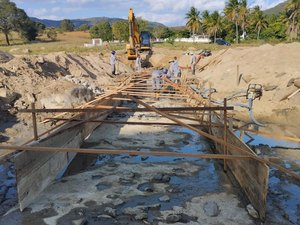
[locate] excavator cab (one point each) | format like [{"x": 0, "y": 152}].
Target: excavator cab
[{"x": 145, "y": 41}]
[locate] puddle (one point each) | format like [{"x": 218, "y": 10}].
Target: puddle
[
  {"x": 258, "y": 139},
  {"x": 284, "y": 194}
]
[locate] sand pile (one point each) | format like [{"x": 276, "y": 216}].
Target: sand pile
[
  {"x": 55, "y": 80},
  {"x": 276, "y": 68}
]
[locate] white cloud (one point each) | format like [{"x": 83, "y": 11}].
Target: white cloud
[{"x": 169, "y": 12}]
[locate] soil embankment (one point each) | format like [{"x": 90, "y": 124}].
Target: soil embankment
[
  {"x": 276, "y": 68},
  {"x": 57, "y": 80}
]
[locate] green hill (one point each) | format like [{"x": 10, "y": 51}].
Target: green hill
[
  {"x": 89, "y": 21},
  {"x": 276, "y": 9}
]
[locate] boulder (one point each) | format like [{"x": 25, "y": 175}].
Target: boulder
[
  {"x": 110, "y": 211},
  {"x": 173, "y": 218},
  {"x": 5, "y": 57},
  {"x": 81, "y": 221},
  {"x": 211, "y": 209},
  {"x": 164, "y": 198}
]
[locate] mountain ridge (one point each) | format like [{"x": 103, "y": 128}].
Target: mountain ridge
[
  {"x": 276, "y": 10},
  {"x": 90, "y": 21}
]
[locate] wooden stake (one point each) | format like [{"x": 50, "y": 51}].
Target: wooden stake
[
  {"x": 225, "y": 134},
  {"x": 35, "y": 132}
]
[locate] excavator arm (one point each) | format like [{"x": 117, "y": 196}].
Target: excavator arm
[
  {"x": 134, "y": 44},
  {"x": 138, "y": 41}
]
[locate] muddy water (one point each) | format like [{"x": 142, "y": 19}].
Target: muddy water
[
  {"x": 148, "y": 190},
  {"x": 138, "y": 190},
  {"x": 283, "y": 200}
]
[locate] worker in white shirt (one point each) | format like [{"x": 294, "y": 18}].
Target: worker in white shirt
[
  {"x": 193, "y": 63},
  {"x": 138, "y": 64},
  {"x": 113, "y": 61}
]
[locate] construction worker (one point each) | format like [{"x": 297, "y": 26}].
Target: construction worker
[
  {"x": 138, "y": 64},
  {"x": 170, "y": 74},
  {"x": 156, "y": 78},
  {"x": 113, "y": 61},
  {"x": 193, "y": 62},
  {"x": 176, "y": 70}
]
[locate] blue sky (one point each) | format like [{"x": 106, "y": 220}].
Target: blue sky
[{"x": 168, "y": 12}]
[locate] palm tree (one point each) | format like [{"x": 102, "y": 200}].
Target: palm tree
[
  {"x": 232, "y": 12},
  {"x": 259, "y": 20},
  {"x": 293, "y": 18},
  {"x": 205, "y": 20},
  {"x": 244, "y": 14},
  {"x": 214, "y": 24},
  {"x": 194, "y": 20}
]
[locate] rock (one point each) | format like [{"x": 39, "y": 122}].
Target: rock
[
  {"x": 146, "y": 187},
  {"x": 178, "y": 171},
  {"x": 3, "y": 92},
  {"x": 162, "y": 142},
  {"x": 96, "y": 177},
  {"x": 173, "y": 189},
  {"x": 5, "y": 57},
  {"x": 141, "y": 216},
  {"x": 154, "y": 206},
  {"x": 112, "y": 196},
  {"x": 81, "y": 221},
  {"x": 110, "y": 211},
  {"x": 118, "y": 201},
  {"x": 164, "y": 198},
  {"x": 297, "y": 83},
  {"x": 185, "y": 142},
  {"x": 173, "y": 218},
  {"x": 211, "y": 209},
  {"x": 26, "y": 51},
  {"x": 144, "y": 158},
  {"x": 270, "y": 87},
  {"x": 102, "y": 186},
  {"x": 161, "y": 178},
  {"x": 291, "y": 82},
  {"x": 104, "y": 217},
  {"x": 257, "y": 151},
  {"x": 252, "y": 212},
  {"x": 139, "y": 212}
]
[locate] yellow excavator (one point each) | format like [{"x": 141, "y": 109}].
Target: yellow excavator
[{"x": 138, "y": 41}]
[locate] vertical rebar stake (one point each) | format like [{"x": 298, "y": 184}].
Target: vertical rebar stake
[
  {"x": 237, "y": 75},
  {"x": 225, "y": 133},
  {"x": 209, "y": 112},
  {"x": 35, "y": 133}
]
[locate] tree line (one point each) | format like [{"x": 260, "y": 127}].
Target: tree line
[
  {"x": 238, "y": 19},
  {"x": 235, "y": 21}
]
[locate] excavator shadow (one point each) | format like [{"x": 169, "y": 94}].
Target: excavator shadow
[{"x": 146, "y": 56}]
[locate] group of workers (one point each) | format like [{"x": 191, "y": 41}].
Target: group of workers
[
  {"x": 113, "y": 61},
  {"x": 173, "y": 73}
]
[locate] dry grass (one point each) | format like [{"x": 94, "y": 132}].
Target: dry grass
[
  {"x": 73, "y": 42},
  {"x": 66, "y": 42}
]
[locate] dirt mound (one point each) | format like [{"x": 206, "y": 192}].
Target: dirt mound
[
  {"x": 53, "y": 80},
  {"x": 276, "y": 68}
]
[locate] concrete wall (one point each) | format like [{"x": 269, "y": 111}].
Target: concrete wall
[{"x": 36, "y": 170}]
